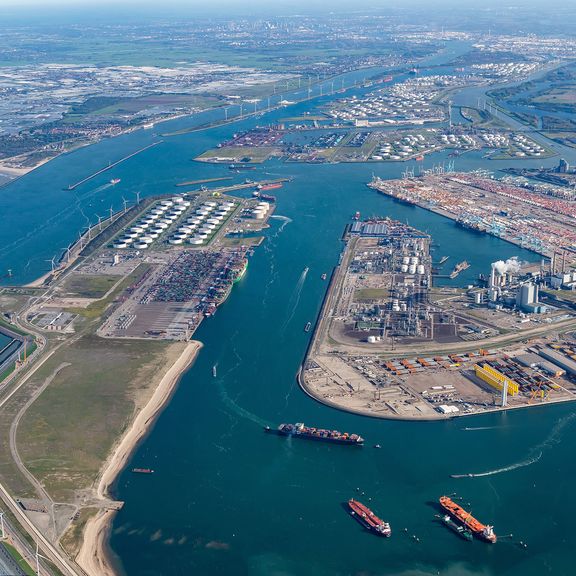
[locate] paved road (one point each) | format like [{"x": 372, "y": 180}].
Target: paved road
[{"x": 8, "y": 566}]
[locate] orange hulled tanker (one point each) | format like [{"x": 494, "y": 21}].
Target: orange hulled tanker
[
  {"x": 368, "y": 519},
  {"x": 479, "y": 530}
]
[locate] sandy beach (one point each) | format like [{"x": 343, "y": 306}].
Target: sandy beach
[{"x": 93, "y": 557}]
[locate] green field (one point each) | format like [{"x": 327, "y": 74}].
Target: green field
[
  {"x": 371, "y": 294},
  {"x": 66, "y": 435},
  {"x": 96, "y": 309},
  {"x": 88, "y": 285}
]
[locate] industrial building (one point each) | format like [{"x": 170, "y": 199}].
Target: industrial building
[{"x": 559, "y": 359}]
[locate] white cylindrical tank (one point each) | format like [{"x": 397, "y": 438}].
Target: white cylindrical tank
[
  {"x": 140, "y": 245},
  {"x": 120, "y": 245},
  {"x": 406, "y": 260},
  {"x": 185, "y": 230},
  {"x": 404, "y": 268},
  {"x": 213, "y": 220},
  {"x": 420, "y": 269},
  {"x": 175, "y": 241},
  {"x": 146, "y": 239},
  {"x": 137, "y": 229},
  {"x": 414, "y": 260},
  {"x": 412, "y": 269},
  {"x": 196, "y": 241}
]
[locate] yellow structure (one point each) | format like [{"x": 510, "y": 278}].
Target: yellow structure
[{"x": 496, "y": 379}]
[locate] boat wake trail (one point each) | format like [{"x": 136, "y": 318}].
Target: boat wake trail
[
  {"x": 482, "y": 428},
  {"x": 295, "y": 299},
  {"x": 285, "y": 222},
  {"x": 522, "y": 464},
  {"x": 228, "y": 401},
  {"x": 536, "y": 452}
]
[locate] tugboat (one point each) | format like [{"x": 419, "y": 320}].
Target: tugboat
[{"x": 368, "y": 519}]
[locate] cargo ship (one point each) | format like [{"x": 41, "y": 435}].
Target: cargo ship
[
  {"x": 238, "y": 272},
  {"x": 368, "y": 519},
  {"x": 142, "y": 471},
  {"x": 462, "y": 531},
  {"x": 298, "y": 430},
  {"x": 272, "y": 186},
  {"x": 458, "y": 268},
  {"x": 482, "y": 531}
]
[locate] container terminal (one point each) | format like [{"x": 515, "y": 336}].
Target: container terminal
[
  {"x": 389, "y": 343},
  {"x": 176, "y": 256}
]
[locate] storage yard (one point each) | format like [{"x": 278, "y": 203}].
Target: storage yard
[
  {"x": 168, "y": 268},
  {"x": 533, "y": 220}
]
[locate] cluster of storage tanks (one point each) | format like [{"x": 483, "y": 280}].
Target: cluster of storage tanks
[
  {"x": 152, "y": 224},
  {"x": 201, "y": 225},
  {"x": 260, "y": 211},
  {"x": 410, "y": 265}
]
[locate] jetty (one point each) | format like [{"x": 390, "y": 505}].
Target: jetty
[{"x": 110, "y": 166}]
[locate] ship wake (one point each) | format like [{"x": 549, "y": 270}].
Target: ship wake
[
  {"x": 535, "y": 453},
  {"x": 295, "y": 299}
]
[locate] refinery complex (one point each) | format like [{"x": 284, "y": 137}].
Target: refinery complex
[{"x": 391, "y": 343}]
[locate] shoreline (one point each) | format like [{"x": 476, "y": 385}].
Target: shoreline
[{"x": 94, "y": 555}]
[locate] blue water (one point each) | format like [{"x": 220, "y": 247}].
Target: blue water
[{"x": 228, "y": 499}]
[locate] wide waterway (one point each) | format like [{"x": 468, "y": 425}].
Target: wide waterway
[{"x": 227, "y": 498}]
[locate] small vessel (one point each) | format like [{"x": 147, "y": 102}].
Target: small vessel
[
  {"x": 214, "y": 371},
  {"x": 357, "y": 216},
  {"x": 308, "y": 326},
  {"x": 115, "y": 181},
  {"x": 462, "y": 531},
  {"x": 443, "y": 259},
  {"x": 458, "y": 268},
  {"x": 482, "y": 531},
  {"x": 142, "y": 470},
  {"x": 368, "y": 519},
  {"x": 388, "y": 78},
  {"x": 377, "y": 446},
  {"x": 324, "y": 276},
  {"x": 419, "y": 158},
  {"x": 241, "y": 167},
  {"x": 298, "y": 430}
]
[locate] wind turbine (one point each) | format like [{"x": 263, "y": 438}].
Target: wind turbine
[
  {"x": 137, "y": 198},
  {"x": 125, "y": 202},
  {"x": 99, "y": 222},
  {"x": 67, "y": 254},
  {"x": 226, "y": 113},
  {"x": 111, "y": 211},
  {"x": 52, "y": 264}
]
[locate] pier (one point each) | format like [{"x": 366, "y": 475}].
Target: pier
[
  {"x": 204, "y": 181},
  {"x": 110, "y": 166}
]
